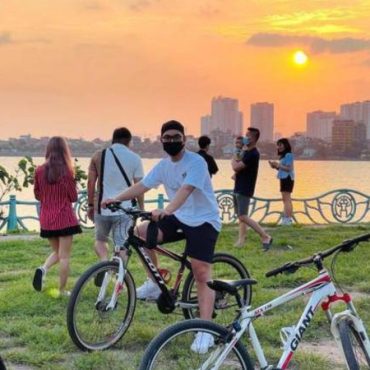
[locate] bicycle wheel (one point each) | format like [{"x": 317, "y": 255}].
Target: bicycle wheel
[
  {"x": 354, "y": 350},
  {"x": 173, "y": 349},
  {"x": 90, "y": 324},
  {"x": 224, "y": 267},
  {"x": 2, "y": 365}
]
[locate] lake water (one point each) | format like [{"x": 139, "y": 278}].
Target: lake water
[{"x": 312, "y": 177}]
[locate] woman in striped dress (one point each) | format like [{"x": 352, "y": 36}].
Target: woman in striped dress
[{"x": 55, "y": 188}]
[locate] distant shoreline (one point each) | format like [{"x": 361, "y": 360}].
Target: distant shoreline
[{"x": 78, "y": 155}]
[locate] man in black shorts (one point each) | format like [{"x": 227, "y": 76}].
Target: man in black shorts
[
  {"x": 192, "y": 214},
  {"x": 246, "y": 171}
]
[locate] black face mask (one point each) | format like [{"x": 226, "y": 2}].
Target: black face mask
[{"x": 173, "y": 148}]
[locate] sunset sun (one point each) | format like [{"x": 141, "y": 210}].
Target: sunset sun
[{"x": 300, "y": 57}]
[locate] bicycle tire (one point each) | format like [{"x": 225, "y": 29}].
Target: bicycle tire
[
  {"x": 92, "y": 329},
  {"x": 2, "y": 364},
  {"x": 159, "y": 355},
  {"x": 224, "y": 303},
  {"x": 354, "y": 350}
]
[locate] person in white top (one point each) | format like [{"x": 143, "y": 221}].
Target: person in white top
[
  {"x": 113, "y": 170},
  {"x": 192, "y": 214}
]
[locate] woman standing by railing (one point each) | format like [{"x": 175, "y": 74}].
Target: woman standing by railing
[
  {"x": 55, "y": 188},
  {"x": 285, "y": 168}
]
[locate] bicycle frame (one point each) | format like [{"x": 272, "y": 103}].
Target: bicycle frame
[
  {"x": 138, "y": 245},
  {"x": 320, "y": 288}
]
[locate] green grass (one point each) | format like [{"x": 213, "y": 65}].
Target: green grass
[{"x": 33, "y": 326}]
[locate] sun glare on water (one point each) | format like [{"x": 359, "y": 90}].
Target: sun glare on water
[{"x": 300, "y": 57}]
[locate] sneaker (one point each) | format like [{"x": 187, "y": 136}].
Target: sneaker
[
  {"x": 202, "y": 342},
  {"x": 38, "y": 278},
  {"x": 289, "y": 221},
  {"x": 65, "y": 293},
  {"x": 149, "y": 290},
  {"x": 286, "y": 221}
]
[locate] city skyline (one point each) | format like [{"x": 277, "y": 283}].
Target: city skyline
[{"x": 82, "y": 68}]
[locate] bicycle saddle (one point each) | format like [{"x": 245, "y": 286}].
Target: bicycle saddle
[{"x": 229, "y": 286}]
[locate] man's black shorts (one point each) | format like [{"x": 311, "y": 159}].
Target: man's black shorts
[
  {"x": 200, "y": 240},
  {"x": 286, "y": 185}
]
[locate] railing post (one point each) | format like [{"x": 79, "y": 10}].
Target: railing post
[
  {"x": 12, "y": 216},
  {"x": 160, "y": 201}
]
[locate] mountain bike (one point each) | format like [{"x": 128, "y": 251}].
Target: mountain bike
[
  {"x": 173, "y": 348},
  {"x": 103, "y": 300}
]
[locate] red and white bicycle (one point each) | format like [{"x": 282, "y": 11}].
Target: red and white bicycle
[{"x": 175, "y": 347}]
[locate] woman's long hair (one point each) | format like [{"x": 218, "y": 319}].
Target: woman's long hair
[
  {"x": 58, "y": 160},
  {"x": 287, "y": 147}
]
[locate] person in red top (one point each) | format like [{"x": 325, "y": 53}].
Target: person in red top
[{"x": 55, "y": 188}]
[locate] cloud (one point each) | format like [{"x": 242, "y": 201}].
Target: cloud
[
  {"x": 93, "y": 5},
  {"x": 140, "y": 5},
  {"x": 208, "y": 11},
  {"x": 317, "y": 45},
  {"x": 320, "y": 15},
  {"x": 6, "y": 39}
]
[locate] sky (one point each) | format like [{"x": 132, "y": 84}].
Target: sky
[{"x": 80, "y": 68}]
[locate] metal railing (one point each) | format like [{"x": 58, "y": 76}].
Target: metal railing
[{"x": 343, "y": 206}]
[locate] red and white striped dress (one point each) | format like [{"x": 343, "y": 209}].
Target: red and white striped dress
[{"x": 57, "y": 217}]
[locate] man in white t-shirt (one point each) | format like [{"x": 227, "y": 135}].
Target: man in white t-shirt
[
  {"x": 192, "y": 214},
  {"x": 111, "y": 169}
]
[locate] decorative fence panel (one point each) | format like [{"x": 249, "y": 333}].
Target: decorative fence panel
[{"x": 344, "y": 206}]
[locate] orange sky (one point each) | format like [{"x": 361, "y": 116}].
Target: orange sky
[{"x": 83, "y": 67}]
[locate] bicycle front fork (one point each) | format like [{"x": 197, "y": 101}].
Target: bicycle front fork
[
  {"x": 350, "y": 314},
  {"x": 118, "y": 286}
]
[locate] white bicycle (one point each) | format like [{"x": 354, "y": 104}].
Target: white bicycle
[{"x": 174, "y": 347}]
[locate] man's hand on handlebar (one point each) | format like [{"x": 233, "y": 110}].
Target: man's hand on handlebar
[
  {"x": 158, "y": 214},
  {"x": 107, "y": 201}
]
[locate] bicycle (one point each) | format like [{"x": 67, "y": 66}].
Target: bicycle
[
  {"x": 172, "y": 349},
  {"x": 103, "y": 301}
]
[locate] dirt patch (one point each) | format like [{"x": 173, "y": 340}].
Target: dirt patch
[
  {"x": 327, "y": 349},
  {"x": 7, "y": 238}
]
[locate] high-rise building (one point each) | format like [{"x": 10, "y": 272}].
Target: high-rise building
[
  {"x": 366, "y": 117},
  {"x": 225, "y": 117},
  {"x": 262, "y": 117},
  {"x": 319, "y": 124},
  {"x": 358, "y": 112},
  {"x": 347, "y": 134},
  {"x": 205, "y": 125}
]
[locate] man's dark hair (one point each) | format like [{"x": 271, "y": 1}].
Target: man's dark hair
[
  {"x": 172, "y": 125},
  {"x": 204, "y": 141},
  {"x": 121, "y": 135},
  {"x": 255, "y": 132}
]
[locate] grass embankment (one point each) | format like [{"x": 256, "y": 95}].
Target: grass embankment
[{"x": 33, "y": 330}]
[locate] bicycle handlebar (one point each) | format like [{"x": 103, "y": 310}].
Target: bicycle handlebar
[
  {"x": 134, "y": 212},
  {"x": 345, "y": 246}
]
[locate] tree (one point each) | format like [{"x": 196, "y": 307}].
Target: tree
[{"x": 23, "y": 177}]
